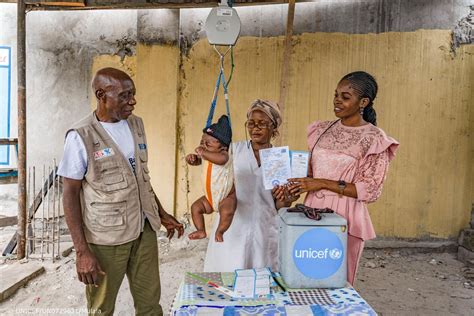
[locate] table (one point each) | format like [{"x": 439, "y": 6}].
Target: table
[{"x": 194, "y": 298}]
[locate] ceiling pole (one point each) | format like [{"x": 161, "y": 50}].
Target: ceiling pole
[
  {"x": 21, "y": 68},
  {"x": 285, "y": 68}
]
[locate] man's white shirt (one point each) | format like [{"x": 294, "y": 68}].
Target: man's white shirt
[{"x": 74, "y": 162}]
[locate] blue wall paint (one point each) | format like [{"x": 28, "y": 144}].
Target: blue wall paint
[{"x": 5, "y": 106}]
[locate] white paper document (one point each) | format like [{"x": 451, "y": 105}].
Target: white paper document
[
  {"x": 299, "y": 163},
  {"x": 252, "y": 283},
  {"x": 263, "y": 271},
  {"x": 262, "y": 283},
  {"x": 275, "y": 164},
  {"x": 244, "y": 285}
]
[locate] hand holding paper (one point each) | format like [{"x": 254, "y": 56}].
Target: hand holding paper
[{"x": 282, "y": 193}]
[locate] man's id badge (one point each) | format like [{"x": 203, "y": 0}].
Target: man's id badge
[{"x": 106, "y": 152}]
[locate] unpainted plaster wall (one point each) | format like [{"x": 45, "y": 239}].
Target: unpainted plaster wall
[
  {"x": 424, "y": 101},
  {"x": 61, "y": 47},
  {"x": 345, "y": 16}
]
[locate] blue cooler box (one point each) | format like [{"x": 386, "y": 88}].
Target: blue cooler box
[{"x": 312, "y": 254}]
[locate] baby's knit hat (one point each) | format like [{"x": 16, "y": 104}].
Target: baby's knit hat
[{"x": 220, "y": 130}]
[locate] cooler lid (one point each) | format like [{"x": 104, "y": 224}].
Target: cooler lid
[{"x": 299, "y": 219}]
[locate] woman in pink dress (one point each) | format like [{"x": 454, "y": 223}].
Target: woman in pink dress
[{"x": 349, "y": 162}]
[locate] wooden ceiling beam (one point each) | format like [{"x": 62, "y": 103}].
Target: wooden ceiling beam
[
  {"x": 58, "y": 3},
  {"x": 55, "y": 5}
]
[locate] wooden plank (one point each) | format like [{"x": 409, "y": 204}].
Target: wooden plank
[
  {"x": 17, "y": 275},
  {"x": 8, "y": 221},
  {"x": 63, "y": 3},
  {"x": 68, "y": 246},
  {"x": 33, "y": 208},
  {"x": 10, "y": 246},
  {"x": 8, "y": 141},
  {"x": 160, "y": 4},
  {"x": 8, "y": 180},
  {"x": 8, "y": 176},
  {"x": 91, "y": 3},
  {"x": 39, "y": 197}
]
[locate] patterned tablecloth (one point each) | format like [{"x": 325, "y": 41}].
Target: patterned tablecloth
[{"x": 196, "y": 298}]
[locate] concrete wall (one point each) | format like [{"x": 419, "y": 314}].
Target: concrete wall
[
  {"x": 61, "y": 47},
  {"x": 425, "y": 101},
  {"x": 345, "y": 16},
  {"x": 174, "y": 69}
]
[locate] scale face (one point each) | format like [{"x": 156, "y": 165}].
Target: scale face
[{"x": 223, "y": 26}]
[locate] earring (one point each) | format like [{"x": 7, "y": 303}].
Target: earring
[{"x": 361, "y": 111}]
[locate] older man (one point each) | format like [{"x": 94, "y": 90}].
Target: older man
[{"x": 110, "y": 206}]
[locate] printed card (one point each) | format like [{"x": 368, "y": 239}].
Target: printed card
[{"x": 275, "y": 164}]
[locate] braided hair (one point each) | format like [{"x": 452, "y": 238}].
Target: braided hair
[{"x": 366, "y": 86}]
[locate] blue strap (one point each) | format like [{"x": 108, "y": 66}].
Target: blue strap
[
  {"x": 214, "y": 100},
  {"x": 220, "y": 78}
]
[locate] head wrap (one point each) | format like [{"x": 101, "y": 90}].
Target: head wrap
[
  {"x": 220, "y": 130},
  {"x": 270, "y": 108}
]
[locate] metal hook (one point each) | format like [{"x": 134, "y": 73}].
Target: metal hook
[{"x": 222, "y": 55}]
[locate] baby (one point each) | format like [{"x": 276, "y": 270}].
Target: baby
[{"x": 218, "y": 179}]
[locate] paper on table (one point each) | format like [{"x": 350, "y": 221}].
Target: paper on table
[
  {"x": 244, "y": 285},
  {"x": 275, "y": 164},
  {"x": 245, "y": 272},
  {"x": 262, "y": 271},
  {"x": 299, "y": 164},
  {"x": 251, "y": 283},
  {"x": 262, "y": 285},
  {"x": 264, "y": 281}
]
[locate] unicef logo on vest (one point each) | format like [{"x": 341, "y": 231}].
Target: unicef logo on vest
[{"x": 318, "y": 253}]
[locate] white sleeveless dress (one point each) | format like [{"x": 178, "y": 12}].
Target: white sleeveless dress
[{"x": 252, "y": 239}]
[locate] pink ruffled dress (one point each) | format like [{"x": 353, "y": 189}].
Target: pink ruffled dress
[{"x": 358, "y": 155}]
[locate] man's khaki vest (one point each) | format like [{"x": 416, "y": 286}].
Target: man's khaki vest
[{"x": 113, "y": 197}]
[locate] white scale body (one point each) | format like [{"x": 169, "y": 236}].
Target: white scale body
[{"x": 222, "y": 26}]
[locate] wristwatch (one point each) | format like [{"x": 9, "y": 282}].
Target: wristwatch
[{"x": 342, "y": 185}]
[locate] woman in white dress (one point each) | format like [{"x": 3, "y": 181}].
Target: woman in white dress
[{"x": 252, "y": 240}]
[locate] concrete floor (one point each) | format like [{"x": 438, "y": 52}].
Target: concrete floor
[{"x": 392, "y": 282}]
